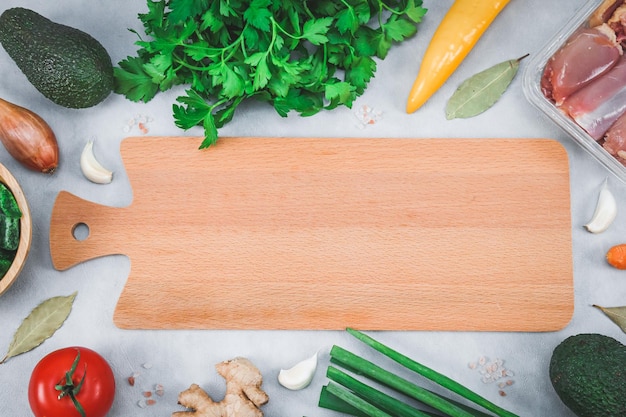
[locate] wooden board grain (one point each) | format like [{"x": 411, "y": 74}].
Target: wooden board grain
[{"x": 324, "y": 233}]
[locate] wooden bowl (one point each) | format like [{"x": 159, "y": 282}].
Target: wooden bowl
[{"x": 25, "y": 230}]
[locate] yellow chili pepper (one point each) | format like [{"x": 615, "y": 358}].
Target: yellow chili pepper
[{"x": 458, "y": 32}]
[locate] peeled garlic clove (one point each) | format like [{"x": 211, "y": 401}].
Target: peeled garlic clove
[
  {"x": 92, "y": 168},
  {"x": 300, "y": 375},
  {"x": 605, "y": 212}
]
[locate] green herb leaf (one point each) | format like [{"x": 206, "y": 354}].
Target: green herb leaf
[
  {"x": 315, "y": 31},
  {"x": 301, "y": 57},
  {"x": 341, "y": 92},
  {"x": 40, "y": 324},
  {"x": 415, "y": 12},
  {"x": 210, "y": 131},
  {"x": 262, "y": 75},
  {"x": 347, "y": 21},
  {"x": 194, "y": 113},
  {"x": 181, "y": 9},
  {"x": 133, "y": 81},
  {"x": 482, "y": 90},
  {"x": 258, "y": 14},
  {"x": 616, "y": 314},
  {"x": 399, "y": 29},
  {"x": 361, "y": 73}
]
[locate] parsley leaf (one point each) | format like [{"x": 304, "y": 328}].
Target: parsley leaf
[
  {"x": 340, "y": 93},
  {"x": 133, "y": 81},
  {"x": 258, "y": 14},
  {"x": 347, "y": 21},
  {"x": 300, "y": 57},
  {"x": 398, "y": 30},
  {"x": 361, "y": 73},
  {"x": 196, "y": 112},
  {"x": 315, "y": 30},
  {"x": 415, "y": 12},
  {"x": 182, "y": 9}
]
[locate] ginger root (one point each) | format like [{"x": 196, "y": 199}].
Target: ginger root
[{"x": 243, "y": 398}]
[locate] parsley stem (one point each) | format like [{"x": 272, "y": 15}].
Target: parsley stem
[
  {"x": 307, "y": 10},
  {"x": 275, "y": 25},
  {"x": 187, "y": 65},
  {"x": 391, "y": 10}
]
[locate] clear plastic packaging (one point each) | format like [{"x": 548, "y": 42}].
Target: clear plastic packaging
[{"x": 532, "y": 89}]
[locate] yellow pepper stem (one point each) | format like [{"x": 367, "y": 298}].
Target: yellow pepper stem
[{"x": 458, "y": 32}]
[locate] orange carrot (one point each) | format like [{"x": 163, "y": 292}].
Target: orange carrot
[{"x": 616, "y": 256}]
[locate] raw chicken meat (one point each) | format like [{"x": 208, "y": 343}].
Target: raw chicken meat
[
  {"x": 599, "y": 104},
  {"x": 604, "y": 12},
  {"x": 615, "y": 139},
  {"x": 588, "y": 54},
  {"x": 617, "y": 23}
]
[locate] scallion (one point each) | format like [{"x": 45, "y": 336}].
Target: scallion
[{"x": 431, "y": 374}]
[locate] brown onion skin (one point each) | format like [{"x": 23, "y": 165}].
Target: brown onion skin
[{"x": 28, "y": 138}]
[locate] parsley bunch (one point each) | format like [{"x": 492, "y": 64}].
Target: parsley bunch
[{"x": 299, "y": 56}]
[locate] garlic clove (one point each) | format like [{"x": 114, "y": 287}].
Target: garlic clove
[
  {"x": 92, "y": 169},
  {"x": 300, "y": 375},
  {"x": 605, "y": 212}
]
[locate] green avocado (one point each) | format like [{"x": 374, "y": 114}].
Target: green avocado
[
  {"x": 66, "y": 65},
  {"x": 588, "y": 372}
]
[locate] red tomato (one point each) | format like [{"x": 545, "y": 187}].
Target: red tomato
[{"x": 95, "y": 395}]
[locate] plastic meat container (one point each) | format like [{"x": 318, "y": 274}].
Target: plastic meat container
[{"x": 532, "y": 90}]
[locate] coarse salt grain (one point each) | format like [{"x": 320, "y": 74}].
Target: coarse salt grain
[
  {"x": 366, "y": 115},
  {"x": 493, "y": 371},
  {"x": 505, "y": 384},
  {"x": 140, "y": 121},
  {"x": 147, "y": 394}
]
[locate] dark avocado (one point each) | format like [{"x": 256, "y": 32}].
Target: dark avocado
[
  {"x": 66, "y": 65},
  {"x": 588, "y": 372}
]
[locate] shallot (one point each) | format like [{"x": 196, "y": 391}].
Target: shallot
[{"x": 28, "y": 138}]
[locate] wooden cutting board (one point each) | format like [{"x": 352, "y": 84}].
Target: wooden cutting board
[{"x": 324, "y": 233}]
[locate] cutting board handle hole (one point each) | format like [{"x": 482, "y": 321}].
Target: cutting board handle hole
[{"x": 80, "y": 231}]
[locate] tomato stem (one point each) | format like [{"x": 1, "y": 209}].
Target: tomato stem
[{"x": 68, "y": 388}]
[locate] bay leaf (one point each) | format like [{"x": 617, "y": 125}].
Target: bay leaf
[
  {"x": 482, "y": 90},
  {"x": 616, "y": 314},
  {"x": 42, "y": 322}
]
